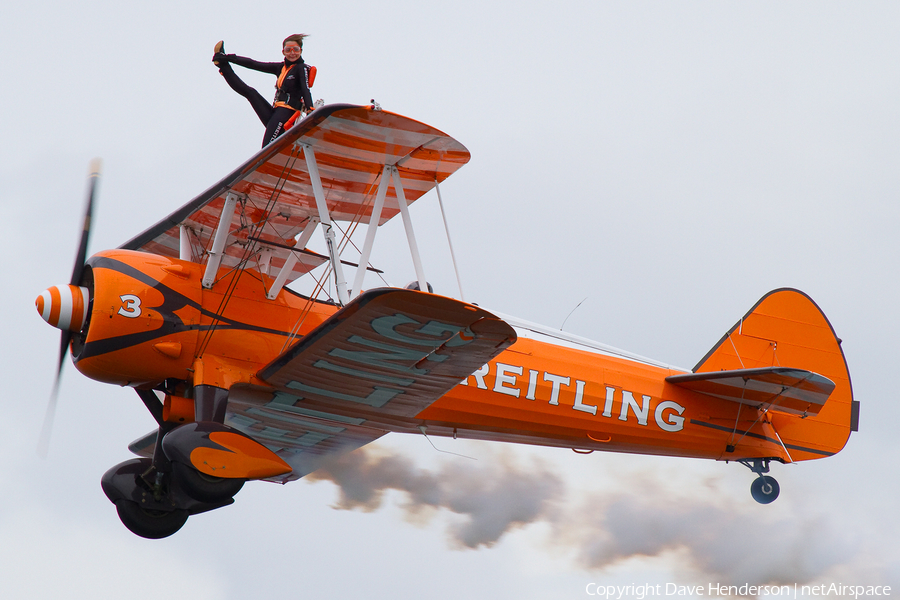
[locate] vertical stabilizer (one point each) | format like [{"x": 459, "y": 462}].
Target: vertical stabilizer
[{"x": 787, "y": 329}]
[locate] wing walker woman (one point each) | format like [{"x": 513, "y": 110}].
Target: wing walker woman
[{"x": 292, "y": 95}]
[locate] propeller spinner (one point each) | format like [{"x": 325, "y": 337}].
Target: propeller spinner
[{"x": 66, "y": 306}]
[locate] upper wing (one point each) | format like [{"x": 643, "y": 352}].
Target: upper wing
[
  {"x": 782, "y": 389},
  {"x": 352, "y": 144},
  {"x": 370, "y": 368}
]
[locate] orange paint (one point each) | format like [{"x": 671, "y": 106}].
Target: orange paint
[
  {"x": 245, "y": 459},
  {"x": 539, "y": 391},
  {"x": 178, "y": 410},
  {"x": 308, "y": 379}
]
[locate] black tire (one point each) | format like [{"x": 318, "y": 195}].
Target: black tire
[
  {"x": 203, "y": 487},
  {"x": 764, "y": 489},
  {"x": 150, "y": 524}
]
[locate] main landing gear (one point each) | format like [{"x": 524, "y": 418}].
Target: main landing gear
[
  {"x": 154, "y": 497},
  {"x": 764, "y": 488},
  {"x": 153, "y": 504},
  {"x": 203, "y": 487}
]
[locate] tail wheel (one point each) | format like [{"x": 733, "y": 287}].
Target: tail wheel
[
  {"x": 764, "y": 489},
  {"x": 203, "y": 487},
  {"x": 150, "y": 524}
]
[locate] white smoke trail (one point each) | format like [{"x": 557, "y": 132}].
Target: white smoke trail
[
  {"x": 724, "y": 542},
  {"x": 494, "y": 498}
]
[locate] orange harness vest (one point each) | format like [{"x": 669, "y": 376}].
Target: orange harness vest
[{"x": 310, "y": 79}]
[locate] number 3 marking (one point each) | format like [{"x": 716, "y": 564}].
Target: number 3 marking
[{"x": 132, "y": 308}]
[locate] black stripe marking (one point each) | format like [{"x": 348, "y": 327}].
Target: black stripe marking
[
  {"x": 172, "y": 323},
  {"x": 761, "y": 437}
]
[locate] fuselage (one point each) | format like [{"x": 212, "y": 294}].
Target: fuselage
[
  {"x": 151, "y": 321},
  {"x": 556, "y": 390}
]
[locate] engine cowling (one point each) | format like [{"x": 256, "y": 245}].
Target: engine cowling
[{"x": 144, "y": 315}]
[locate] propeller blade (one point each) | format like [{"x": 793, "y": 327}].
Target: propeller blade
[
  {"x": 50, "y": 415},
  {"x": 78, "y": 269},
  {"x": 66, "y": 338}
]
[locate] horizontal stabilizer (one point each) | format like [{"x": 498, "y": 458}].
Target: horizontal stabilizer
[{"x": 793, "y": 391}]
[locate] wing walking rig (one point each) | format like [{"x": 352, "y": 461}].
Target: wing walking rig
[
  {"x": 249, "y": 380},
  {"x": 336, "y": 165}
]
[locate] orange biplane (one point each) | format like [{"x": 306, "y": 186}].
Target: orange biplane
[{"x": 249, "y": 380}]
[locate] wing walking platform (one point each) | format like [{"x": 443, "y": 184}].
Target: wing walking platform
[{"x": 336, "y": 164}]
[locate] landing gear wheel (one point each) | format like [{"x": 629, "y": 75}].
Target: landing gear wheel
[
  {"x": 764, "y": 489},
  {"x": 150, "y": 524},
  {"x": 203, "y": 487}
]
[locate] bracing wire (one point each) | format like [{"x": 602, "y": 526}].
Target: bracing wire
[
  {"x": 437, "y": 187},
  {"x": 422, "y": 428},
  {"x": 249, "y": 250}
]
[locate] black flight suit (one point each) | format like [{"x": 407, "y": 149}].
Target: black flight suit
[{"x": 292, "y": 90}]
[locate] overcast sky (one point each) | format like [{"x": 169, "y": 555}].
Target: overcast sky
[{"x": 671, "y": 162}]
